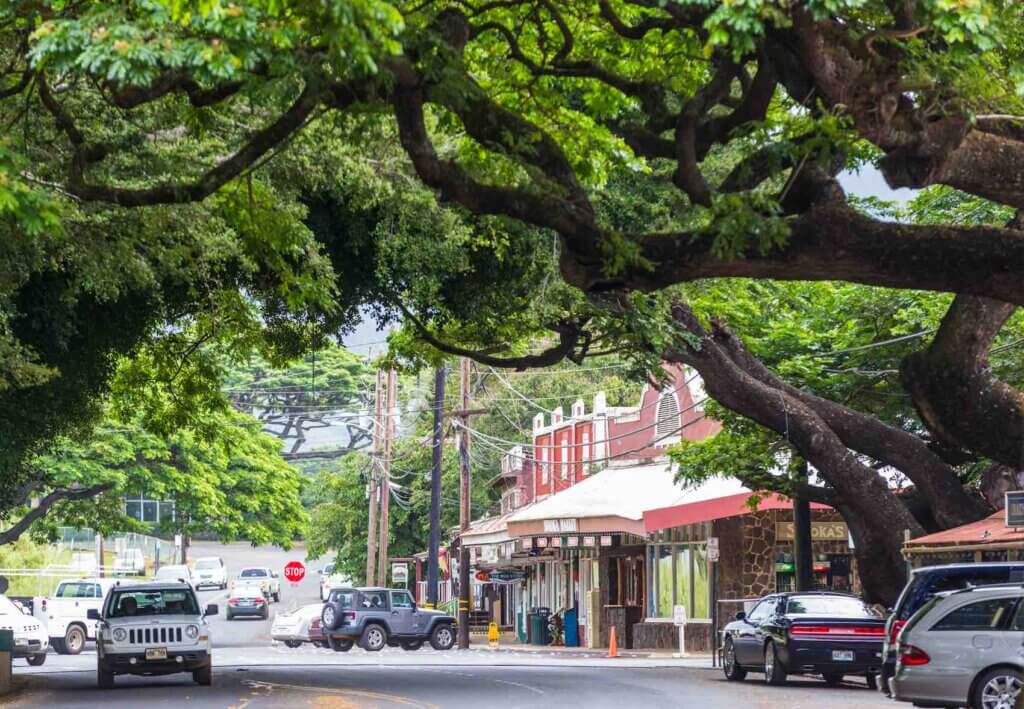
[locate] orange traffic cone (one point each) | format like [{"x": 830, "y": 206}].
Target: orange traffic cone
[{"x": 613, "y": 645}]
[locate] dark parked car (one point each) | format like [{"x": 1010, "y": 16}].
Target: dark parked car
[
  {"x": 375, "y": 617},
  {"x": 831, "y": 634},
  {"x": 930, "y": 580}
]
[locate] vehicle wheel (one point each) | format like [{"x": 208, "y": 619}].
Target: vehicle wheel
[
  {"x": 104, "y": 679},
  {"x": 266, "y": 614},
  {"x": 411, "y": 645},
  {"x": 230, "y": 616},
  {"x": 833, "y": 679},
  {"x": 292, "y": 644},
  {"x": 774, "y": 672},
  {"x": 374, "y": 638},
  {"x": 340, "y": 644},
  {"x": 58, "y": 646},
  {"x": 74, "y": 640},
  {"x": 36, "y": 660},
  {"x": 733, "y": 672},
  {"x": 442, "y": 637},
  {"x": 872, "y": 681},
  {"x": 203, "y": 676},
  {"x": 328, "y": 618},
  {"x": 997, "y": 689}
]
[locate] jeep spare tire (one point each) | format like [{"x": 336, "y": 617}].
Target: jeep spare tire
[
  {"x": 442, "y": 637},
  {"x": 328, "y": 618}
]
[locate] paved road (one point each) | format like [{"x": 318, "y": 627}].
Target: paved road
[
  {"x": 454, "y": 686},
  {"x": 254, "y": 631}
]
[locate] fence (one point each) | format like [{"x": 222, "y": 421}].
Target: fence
[
  {"x": 152, "y": 548},
  {"x": 445, "y": 596}
]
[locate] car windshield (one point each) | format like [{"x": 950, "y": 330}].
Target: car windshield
[
  {"x": 125, "y": 604},
  {"x": 82, "y": 589},
  {"x": 207, "y": 564},
  {"x": 252, "y": 573},
  {"x": 829, "y": 605}
]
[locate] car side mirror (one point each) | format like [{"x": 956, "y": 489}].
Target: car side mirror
[
  {"x": 741, "y": 616},
  {"x": 92, "y": 614},
  {"x": 211, "y": 609}
]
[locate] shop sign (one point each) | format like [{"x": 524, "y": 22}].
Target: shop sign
[
  {"x": 573, "y": 541},
  {"x": 560, "y": 525},
  {"x": 712, "y": 548},
  {"x": 528, "y": 543},
  {"x": 1015, "y": 508},
  {"x": 590, "y": 541},
  {"x": 820, "y": 531},
  {"x": 507, "y": 576},
  {"x": 541, "y": 542},
  {"x": 556, "y": 542},
  {"x": 679, "y": 615},
  {"x": 482, "y": 576},
  {"x": 783, "y": 568},
  {"x": 400, "y": 572},
  {"x": 606, "y": 540}
]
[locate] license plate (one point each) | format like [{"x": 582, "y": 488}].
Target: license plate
[
  {"x": 156, "y": 653},
  {"x": 842, "y": 655}
]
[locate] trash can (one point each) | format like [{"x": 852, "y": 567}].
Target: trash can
[
  {"x": 571, "y": 628},
  {"x": 6, "y": 655},
  {"x": 539, "y": 634}
]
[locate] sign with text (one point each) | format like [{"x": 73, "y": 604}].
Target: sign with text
[
  {"x": 820, "y": 531},
  {"x": 560, "y": 525},
  {"x": 679, "y": 615},
  {"x": 400, "y": 572},
  {"x": 713, "y": 551},
  {"x": 294, "y": 571},
  {"x": 1015, "y": 508}
]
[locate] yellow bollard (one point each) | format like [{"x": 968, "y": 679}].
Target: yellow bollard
[{"x": 492, "y": 634}]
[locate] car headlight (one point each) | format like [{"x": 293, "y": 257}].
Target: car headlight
[
  {"x": 192, "y": 631},
  {"x": 120, "y": 634}
]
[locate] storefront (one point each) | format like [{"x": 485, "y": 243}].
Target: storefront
[
  {"x": 755, "y": 550},
  {"x": 989, "y": 539}
]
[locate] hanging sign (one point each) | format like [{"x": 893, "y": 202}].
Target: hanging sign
[{"x": 1015, "y": 508}]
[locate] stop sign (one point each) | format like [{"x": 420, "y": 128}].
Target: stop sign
[{"x": 294, "y": 571}]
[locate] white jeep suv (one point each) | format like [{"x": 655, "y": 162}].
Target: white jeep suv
[{"x": 152, "y": 628}]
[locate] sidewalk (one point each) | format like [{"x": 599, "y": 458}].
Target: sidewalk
[{"x": 509, "y": 644}]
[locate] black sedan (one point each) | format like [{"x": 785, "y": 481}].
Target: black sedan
[{"x": 831, "y": 634}]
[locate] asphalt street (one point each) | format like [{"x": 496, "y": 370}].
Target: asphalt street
[{"x": 454, "y": 685}]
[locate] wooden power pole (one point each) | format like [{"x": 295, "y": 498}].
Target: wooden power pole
[
  {"x": 465, "y": 509},
  {"x": 385, "y": 484},
  {"x": 435, "y": 490},
  {"x": 371, "y": 537}
]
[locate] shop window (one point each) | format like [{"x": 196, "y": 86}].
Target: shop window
[
  {"x": 678, "y": 575},
  {"x": 544, "y": 465},
  {"x": 565, "y": 460},
  {"x": 585, "y": 453}
]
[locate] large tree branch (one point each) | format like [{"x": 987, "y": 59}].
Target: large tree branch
[
  {"x": 957, "y": 395},
  {"x": 22, "y": 525}
]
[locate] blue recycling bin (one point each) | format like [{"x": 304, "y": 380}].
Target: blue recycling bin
[{"x": 572, "y": 627}]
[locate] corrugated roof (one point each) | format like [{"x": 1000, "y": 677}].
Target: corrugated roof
[{"x": 991, "y": 530}]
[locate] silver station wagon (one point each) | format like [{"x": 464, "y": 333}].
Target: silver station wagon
[{"x": 963, "y": 649}]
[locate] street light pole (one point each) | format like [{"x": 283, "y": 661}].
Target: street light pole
[
  {"x": 435, "y": 490},
  {"x": 465, "y": 486}
]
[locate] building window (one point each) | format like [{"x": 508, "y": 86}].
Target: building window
[
  {"x": 145, "y": 509},
  {"x": 544, "y": 465},
  {"x": 565, "y": 460},
  {"x": 678, "y": 575},
  {"x": 585, "y": 453}
]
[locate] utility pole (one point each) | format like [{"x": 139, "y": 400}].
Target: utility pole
[
  {"x": 371, "y": 538},
  {"x": 435, "y": 490},
  {"x": 803, "y": 552},
  {"x": 385, "y": 485},
  {"x": 465, "y": 502}
]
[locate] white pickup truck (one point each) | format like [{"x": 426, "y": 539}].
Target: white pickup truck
[{"x": 65, "y": 613}]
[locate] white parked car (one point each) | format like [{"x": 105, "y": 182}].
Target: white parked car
[
  {"x": 299, "y": 626},
  {"x": 65, "y": 613},
  {"x": 330, "y": 580},
  {"x": 210, "y": 571},
  {"x": 177, "y": 572},
  {"x": 153, "y": 628},
  {"x": 268, "y": 580},
  {"x": 30, "y": 636}
]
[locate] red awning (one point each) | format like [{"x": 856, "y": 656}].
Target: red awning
[
  {"x": 991, "y": 530},
  {"x": 717, "y": 508}
]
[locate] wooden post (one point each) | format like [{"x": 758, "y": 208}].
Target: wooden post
[
  {"x": 465, "y": 502},
  {"x": 435, "y": 489},
  {"x": 371, "y": 539},
  {"x": 385, "y": 484}
]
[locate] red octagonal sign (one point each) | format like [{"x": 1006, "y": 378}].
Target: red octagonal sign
[{"x": 294, "y": 571}]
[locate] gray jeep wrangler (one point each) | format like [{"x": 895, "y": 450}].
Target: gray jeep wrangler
[{"x": 375, "y": 617}]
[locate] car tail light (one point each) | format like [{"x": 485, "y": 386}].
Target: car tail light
[
  {"x": 894, "y": 630},
  {"x": 829, "y": 631},
  {"x": 913, "y": 656},
  {"x": 232, "y": 601},
  {"x": 260, "y": 601},
  {"x": 44, "y": 604}
]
